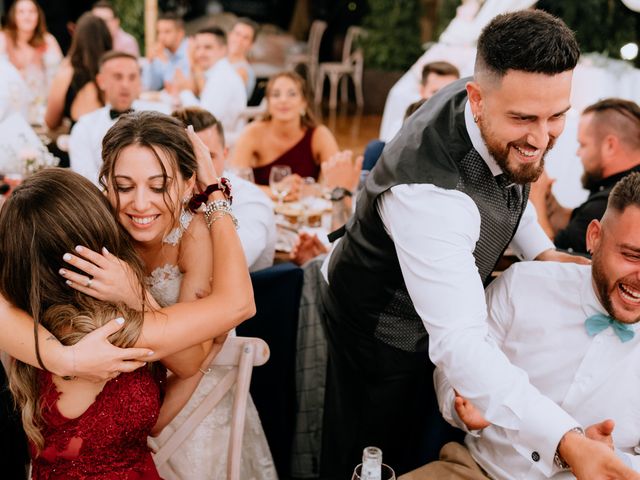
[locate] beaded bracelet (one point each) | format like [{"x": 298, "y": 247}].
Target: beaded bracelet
[{"x": 218, "y": 206}]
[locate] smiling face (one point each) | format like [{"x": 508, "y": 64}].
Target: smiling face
[
  {"x": 615, "y": 243},
  {"x": 520, "y": 116},
  {"x": 240, "y": 39},
  {"x": 147, "y": 190},
  {"x": 208, "y": 50},
  {"x": 26, "y": 16},
  {"x": 285, "y": 100}
]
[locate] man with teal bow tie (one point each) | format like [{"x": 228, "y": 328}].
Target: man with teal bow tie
[{"x": 572, "y": 330}]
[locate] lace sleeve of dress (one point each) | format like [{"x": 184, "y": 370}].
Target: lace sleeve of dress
[{"x": 174, "y": 236}]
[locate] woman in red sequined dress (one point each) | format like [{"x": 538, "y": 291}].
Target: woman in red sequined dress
[{"x": 77, "y": 428}]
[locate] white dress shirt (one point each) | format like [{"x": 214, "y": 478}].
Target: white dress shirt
[
  {"x": 224, "y": 95},
  {"x": 256, "y": 222},
  {"x": 435, "y": 231},
  {"x": 537, "y": 312},
  {"x": 85, "y": 140}
]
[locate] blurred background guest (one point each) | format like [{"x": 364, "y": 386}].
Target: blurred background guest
[
  {"x": 28, "y": 45},
  {"x": 221, "y": 89},
  {"x": 170, "y": 53},
  {"x": 239, "y": 42},
  {"x": 287, "y": 135},
  {"x": 436, "y": 75},
  {"x": 74, "y": 91},
  {"x": 122, "y": 41}
]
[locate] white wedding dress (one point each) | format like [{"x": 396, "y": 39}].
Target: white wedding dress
[{"x": 203, "y": 455}]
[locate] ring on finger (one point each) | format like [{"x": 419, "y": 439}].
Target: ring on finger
[{"x": 89, "y": 282}]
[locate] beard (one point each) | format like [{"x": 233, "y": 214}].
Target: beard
[
  {"x": 520, "y": 174},
  {"x": 603, "y": 289},
  {"x": 590, "y": 180}
]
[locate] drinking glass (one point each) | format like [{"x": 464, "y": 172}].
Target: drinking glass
[
  {"x": 278, "y": 182},
  {"x": 310, "y": 192},
  {"x": 387, "y": 473}
]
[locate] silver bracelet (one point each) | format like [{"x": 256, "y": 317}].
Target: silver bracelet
[
  {"x": 221, "y": 207},
  {"x": 557, "y": 458}
]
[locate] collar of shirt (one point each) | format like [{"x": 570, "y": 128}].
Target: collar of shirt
[
  {"x": 610, "y": 181},
  {"x": 220, "y": 65},
  {"x": 478, "y": 142},
  {"x": 180, "y": 53},
  {"x": 590, "y": 302}
]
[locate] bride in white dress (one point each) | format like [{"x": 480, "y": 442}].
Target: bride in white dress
[{"x": 149, "y": 174}]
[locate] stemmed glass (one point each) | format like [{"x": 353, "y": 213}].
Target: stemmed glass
[{"x": 278, "y": 181}]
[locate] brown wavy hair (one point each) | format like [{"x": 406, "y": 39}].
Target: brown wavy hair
[
  {"x": 46, "y": 216},
  {"x": 38, "y": 38},
  {"x": 308, "y": 119}
]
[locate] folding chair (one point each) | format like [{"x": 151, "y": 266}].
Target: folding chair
[{"x": 244, "y": 353}]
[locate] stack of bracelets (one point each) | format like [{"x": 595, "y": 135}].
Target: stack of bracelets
[{"x": 215, "y": 209}]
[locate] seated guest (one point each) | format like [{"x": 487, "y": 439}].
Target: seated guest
[
  {"x": 73, "y": 90},
  {"x": 287, "y": 135},
  {"x": 609, "y": 138},
  {"x": 25, "y": 42},
  {"x": 240, "y": 40},
  {"x": 586, "y": 317},
  {"x": 436, "y": 75},
  {"x": 119, "y": 81},
  {"x": 254, "y": 210},
  {"x": 222, "y": 91},
  {"x": 122, "y": 41},
  {"x": 168, "y": 54}
]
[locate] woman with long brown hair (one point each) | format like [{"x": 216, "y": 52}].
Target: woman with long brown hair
[
  {"x": 74, "y": 91},
  {"x": 49, "y": 215},
  {"x": 34, "y": 52},
  {"x": 287, "y": 135}
]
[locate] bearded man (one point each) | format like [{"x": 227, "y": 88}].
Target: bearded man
[{"x": 447, "y": 197}]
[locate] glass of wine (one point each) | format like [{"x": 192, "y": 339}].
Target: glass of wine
[{"x": 278, "y": 182}]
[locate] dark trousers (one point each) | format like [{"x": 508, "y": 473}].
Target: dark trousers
[
  {"x": 378, "y": 395},
  {"x": 14, "y": 457}
]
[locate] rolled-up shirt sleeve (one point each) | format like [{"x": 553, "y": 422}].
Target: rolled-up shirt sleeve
[{"x": 435, "y": 231}]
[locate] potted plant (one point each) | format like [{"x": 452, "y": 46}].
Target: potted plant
[{"x": 391, "y": 45}]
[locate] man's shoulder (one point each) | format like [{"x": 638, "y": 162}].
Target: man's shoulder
[
  {"x": 537, "y": 272},
  {"x": 90, "y": 121},
  {"x": 245, "y": 192}
]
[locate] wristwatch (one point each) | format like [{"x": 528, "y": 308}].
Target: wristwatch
[
  {"x": 557, "y": 458},
  {"x": 339, "y": 193}
]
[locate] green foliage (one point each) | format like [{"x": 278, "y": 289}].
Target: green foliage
[
  {"x": 392, "y": 41},
  {"x": 131, "y": 14},
  {"x": 601, "y": 25}
]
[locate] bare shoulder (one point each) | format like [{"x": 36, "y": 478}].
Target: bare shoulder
[{"x": 322, "y": 135}]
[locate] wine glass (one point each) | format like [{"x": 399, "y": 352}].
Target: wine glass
[
  {"x": 387, "y": 473},
  {"x": 278, "y": 181}
]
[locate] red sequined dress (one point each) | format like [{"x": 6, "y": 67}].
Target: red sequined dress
[{"x": 109, "y": 440}]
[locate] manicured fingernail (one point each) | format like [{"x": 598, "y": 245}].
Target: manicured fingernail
[
  {"x": 150, "y": 353},
  {"x": 119, "y": 320},
  {"x": 68, "y": 282},
  {"x": 78, "y": 249},
  {"x": 62, "y": 271},
  {"x": 105, "y": 251},
  {"x": 66, "y": 257}
]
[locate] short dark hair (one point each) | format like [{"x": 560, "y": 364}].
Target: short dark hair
[
  {"x": 439, "y": 68},
  {"x": 250, "y": 23},
  {"x": 625, "y": 193},
  {"x": 216, "y": 32},
  {"x": 618, "y": 116},
  {"x": 413, "y": 107},
  {"x": 200, "y": 119},
  {"x": 105, "y": 4},
  {"x": 528, "y": 41},
  {"x": 111, "y": 54},
  {"x": 171, "y": 17}
]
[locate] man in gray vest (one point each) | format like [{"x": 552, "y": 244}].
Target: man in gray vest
[{"x": 447, "y": 197}]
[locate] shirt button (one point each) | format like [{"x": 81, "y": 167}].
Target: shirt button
[{"x": 535, "y": 456}]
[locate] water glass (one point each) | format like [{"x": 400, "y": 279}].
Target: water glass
[{"x": 278, "y": 182}]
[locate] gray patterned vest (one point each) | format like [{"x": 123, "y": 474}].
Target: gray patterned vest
[{"x": 366, "y": 288}]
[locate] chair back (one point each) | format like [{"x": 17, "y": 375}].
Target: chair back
[
  {"x": 350, "y": 48},
  {"x": 315, "y": 38},
  {"x": 243, "y": 353}
]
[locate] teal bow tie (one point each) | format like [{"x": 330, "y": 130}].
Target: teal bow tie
[{"x": 598, "y": 322}]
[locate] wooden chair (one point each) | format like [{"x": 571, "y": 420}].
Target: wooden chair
[
  {"x": 309, "y": 58},
  {"x": 244, "y": 353},
  {"x": 352, "y": 65}
]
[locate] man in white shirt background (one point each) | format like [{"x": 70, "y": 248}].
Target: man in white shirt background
[
  {"x": 168, "y": 55},
  {"x": 252, "y": 208},
  {"x": 573, "y": 330},
  {"x": 119, "y": 80},
  {"x": 222, "y": 91}
]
